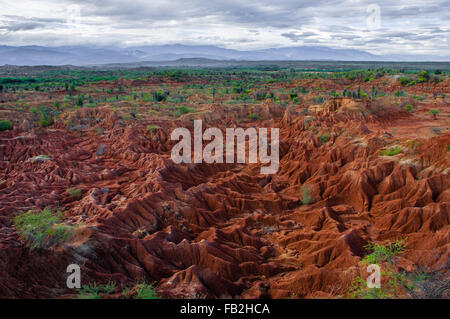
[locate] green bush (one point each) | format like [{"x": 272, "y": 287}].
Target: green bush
[
  {"x": 383, "y": 253},
  {"x": 380, "y": 254},
  {"x": 74, "y": 192},
  {"x": 94, "y": 291},
  {"x": 306, "y": 195},
  {"x": 293, "y": 95},
  {"x": 160, "y": 96},
  {"x": 409, "y": 108},
  {"x": 5, "y": 125},
  {"x": 152, "y": 128},
  {"x": 324, "y": 138},
  {"x": 145, "y": 291},
  {"x": 434, "y": 113},
  {"x": 42, "y": 230},
  {"x": 260, "y": 95},
  {"x": 45, "y": 121},
  {"x": 398, "y": 283},
  {"x": 183, "y": 110},
  {"x": 423, "y": 76},
  {"x": 391, "y": 151},
  {"x": 254, "y": 117},
  {"x": 403, "y": 80}
]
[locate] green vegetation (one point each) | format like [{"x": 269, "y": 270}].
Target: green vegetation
[
  {"x": 409, "y": 108},
  {"x": 74, "y": 192},
  {"x": 109, "y": 290},
  {"x": 324, "y": 138},
  {"x": 391, "y": 151},
  {"x": 423, "y": 76},
  {"x": 254, "y": 117},
  {"x": 183, "y": 110},
  {"x": 46, "y": 115},
  {"x": 397, "y": 283},
  {"x": 383, "y": 253},
  {"x": 94, "y": 291},
  {"x": 434, "y": 113},
  {"x": 306, "y": 195},
  {"x": 160, "y": 96},
  {"x": 403, "y": 80},
  {"x": 145, "y": 291},
  {"x": 418, "y": 97},
  {"x": 5, "y": 125},
  {"x": 42, "y": 230},
  {"x": 152, "y": 128}
]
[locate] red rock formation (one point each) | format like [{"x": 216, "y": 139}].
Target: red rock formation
[{"x": 223, "y": 230}]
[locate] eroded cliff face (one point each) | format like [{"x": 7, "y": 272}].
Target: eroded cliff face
[{"x": 225, "y": 230}]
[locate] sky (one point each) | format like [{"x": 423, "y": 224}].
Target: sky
[{"x": 379, "y": 27}]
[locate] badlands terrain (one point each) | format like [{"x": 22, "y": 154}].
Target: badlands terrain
[{"x": 86, "y": 178}]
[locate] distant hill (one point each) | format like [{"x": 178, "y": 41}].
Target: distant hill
[{"x": 89, "y": 55}]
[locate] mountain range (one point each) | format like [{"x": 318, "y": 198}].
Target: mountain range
[{"x": 84, "y": 55}]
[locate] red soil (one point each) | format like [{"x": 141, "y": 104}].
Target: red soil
[{"x": 202, "y": 230}]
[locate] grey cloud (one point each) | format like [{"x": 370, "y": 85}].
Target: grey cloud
[
  {"x": 292, "y": 36},
  {"x": 378, "y": 41},
  {"x": 295, "y": 37},
  {"x": 280, "y": 14},
  {"x": 236, "y": 22},
  {"x": 22, "y": 26}
]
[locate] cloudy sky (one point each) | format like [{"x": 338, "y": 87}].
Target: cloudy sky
[{"x": 380, "y": 27}]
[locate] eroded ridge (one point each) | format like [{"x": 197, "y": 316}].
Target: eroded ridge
[{"x": 225, "y": 230}]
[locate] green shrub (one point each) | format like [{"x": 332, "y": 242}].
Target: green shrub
[
  {"x": 359, "y": 289},
  {"x": 403, "y": 80},
  {"x": 80, "y": 100},
  {"x": 5, "y": 125},
  {"x": 391, "y": 151},
  {"x": 260, "y": 95},
  {"x": 160, "y": 96},
  {"x": 183, "y": 110},
  {"x": 324, "y": 138},
  {"x": 398, "y": 283},
  {"x": 254, "y": 117},
  {"x": 383, "y": 253},
  {"x": 418, "y": 97},
  {"x": 42, "y": 230},
  {"x": 45, "y": 121},
  {"x": 94, "y": 291},
  {"x": 296, "y": 100},
  {"x": 409, "y": 108},
  {"x": 152, "y": 128},
  {"x": 318, "y": 100},
  {"x": 434, "y": 113},
  {"x": 423, "y": 76},
  {"x": 380, "y": 255},
  {"x": 145, "y": 291},
  {"x": 293, "y": 95},
  {"x": 74, "y": 192},
  {"x": 306, "y": 195}
]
